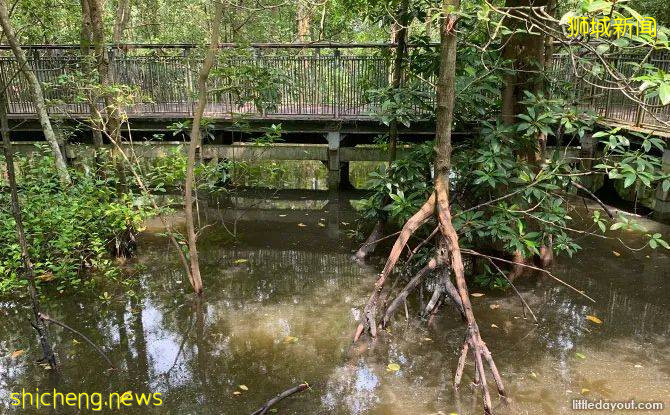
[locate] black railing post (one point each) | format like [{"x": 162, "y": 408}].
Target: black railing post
[{"x": 336, "y": 84}]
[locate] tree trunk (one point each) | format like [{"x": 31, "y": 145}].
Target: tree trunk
[
  {"x": 113, "y": 122},
  {"x": 121, "y": 22},
  {"x": 303, "y": 18},
  {"x": 526, "y": 51},
  {"x": 36, "y": 93},
  {"x": 39, "y": 325},
  {"x": 446, "y": 87},
  {"x": 398, "y": 71},
  {"x": 207, "y": 64},
  {"x": 85, "y": 47}
]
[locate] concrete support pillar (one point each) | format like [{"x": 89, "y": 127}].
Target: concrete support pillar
[
  {"x": 662, "y": 199},
  {"x": 588, "y": 152},
  {"x": 334, "y": 139}
]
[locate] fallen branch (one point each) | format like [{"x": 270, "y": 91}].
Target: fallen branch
[
  {"x": 288, "y": 392},
  {"x": 80, "y": 334}
]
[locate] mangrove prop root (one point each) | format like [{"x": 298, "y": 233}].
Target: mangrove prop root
[
  {"x": 370, "y": 244},
  {"x": 288, "y": 392},
  {"x": 412, "y": 224}
]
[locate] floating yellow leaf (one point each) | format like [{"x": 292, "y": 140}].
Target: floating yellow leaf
[
  {"x": 290, "y": 339},
  {"x": 244, "y": 387},
  {"x": 240, "y": 261},
  {"x": 302, "y": 225},
  {"x": 428, "y": 339},
  {"x": 594, "y": 319},
  {"x": 322, "y": 225},
  {"x": 580, "y": 355},
  {"x": 282, "y": 216},
  {"x": 393, "y": 367},
  {"x": 494, "y": 326},
  {"x": 584, "y": 390},
  {"x": 494, "y": 306},
  {"x": 533, "y": 374},
  {"x": 344, "y": 223},
  {"x": 616, "y": 253},
  {"x": 17, "y": 353},
  {"x": 477, "y": 294},
  {"x": 237, "y": 393}
]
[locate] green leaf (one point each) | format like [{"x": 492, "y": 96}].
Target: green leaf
[
  {"x": 630, "y": 179},
  {"x": 664, "y": 93}
]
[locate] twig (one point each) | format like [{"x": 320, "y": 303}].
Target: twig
[
  {"x": 594, "y": 197},
  {"x": 78, "y": 333},
  {"x": 471, "y": 252},
  {"x": 288, "y": 392},
  {"x": 514, "y": 288}
]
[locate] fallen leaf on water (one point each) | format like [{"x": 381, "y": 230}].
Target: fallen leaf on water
[
  {"x": 240, "y": 261},
  {"x": 393, "y": 367},
  {"x": 616, "y": 253},
  {"x": 533, "y": 374},
  {"x": 344, "y": 223},
  {"x": 244, "y": 387},
  {"x": 494, "y": 306},
  {"x": 639, "y": 366},
  {"x": 301, "y": 225},
  {"x": 428, "y": 339},
  {"x": 290, "y": 339},
  {"x": 322, "y": 225},
  {"x": 594, "y": 319},
  {"x": 17, "y": 353},
  {"x": 580, "y": 355},
  {"x": 584, "y": 390},
  {"x": 477, "y": 294},
  {"x": 237, "y": 393},
  {"x": 494, "y": 326},
  {"x": 282, "y": 216}
]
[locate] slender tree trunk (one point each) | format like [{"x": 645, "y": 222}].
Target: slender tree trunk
[
  {"x": 39, "y": 325},
  {"x": 36, "y": 93},
  {"x": 87, "y": 60},
  {"x": 398, "y": 71},
  {"x": 207, "y": 64},
  {"x": 303, "y": 18},
  {"x": 122, "y": 18},
  {"x": 445, "y": 114}
]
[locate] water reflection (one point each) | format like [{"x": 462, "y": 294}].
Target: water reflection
[{"x": 280, "y": 305}]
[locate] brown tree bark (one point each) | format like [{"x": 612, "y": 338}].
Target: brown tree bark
[
  {"x": 123, "y": 10},
  {"x": 304, "y": 20},
  {"x": 86, "y": 38},
  {"x": 212, "y": 52},
  {"x": 38, "y": 324},
  {"x": 36, "y": 94},
  {"x": 398, "y": 70}
]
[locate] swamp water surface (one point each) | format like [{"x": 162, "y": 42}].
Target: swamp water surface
[{"x": 280, "y": 308}]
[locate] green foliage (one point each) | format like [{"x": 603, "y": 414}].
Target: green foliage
[
  {"x": 70, "y": 232},
  {"x": 248, "y": 82},
  {"x": 399, "y": 191}
]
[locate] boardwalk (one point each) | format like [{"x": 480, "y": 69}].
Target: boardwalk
[{"x": 322, "y": 83}]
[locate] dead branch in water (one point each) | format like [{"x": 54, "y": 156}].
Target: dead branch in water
[
  {"x": 80, "y": 334},
  {"x": 288, "y": 392}
]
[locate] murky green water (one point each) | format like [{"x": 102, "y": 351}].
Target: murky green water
[{"x": 281, "y": 305}]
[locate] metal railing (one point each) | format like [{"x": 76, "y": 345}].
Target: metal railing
[
  {"x": 310, "y": 81},
  {"x": 611, "y": 103}
]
